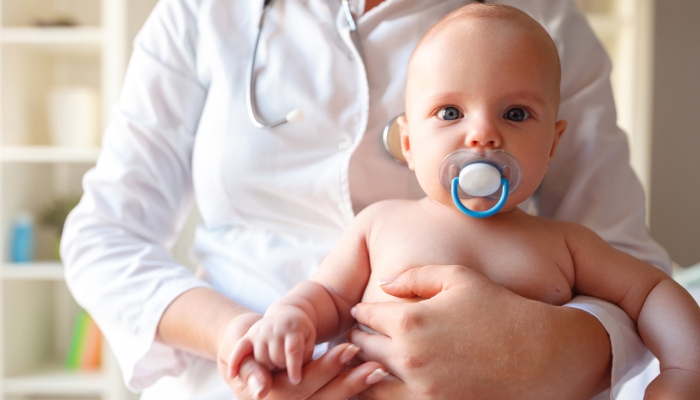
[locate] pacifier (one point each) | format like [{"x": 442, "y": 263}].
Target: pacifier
[{"x": 494, "y": 174}]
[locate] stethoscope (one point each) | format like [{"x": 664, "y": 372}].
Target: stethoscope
[
  {"x": 463, "y": 173},
  {"x": 392, "y": 133},
  {"x": 295, "y": 115}
]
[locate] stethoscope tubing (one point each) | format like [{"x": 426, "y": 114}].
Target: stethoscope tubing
[
  {"x": 255, "y": 118},
  {"x": 251, "y": 102}
]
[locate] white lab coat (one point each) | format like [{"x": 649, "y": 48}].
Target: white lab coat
[{"x": 273, "y": 202}]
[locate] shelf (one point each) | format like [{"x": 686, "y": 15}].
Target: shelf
[
  {"x": 56, "y": 381},
  {"x": 48, "y": 270},
  {"x": 49, "y": 154},
  {"x": 53, "y": 36}
]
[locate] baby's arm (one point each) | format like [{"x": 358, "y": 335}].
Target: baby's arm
[
  {"x": 668, "y": 318},
  {"x": 313, "y": 311}
]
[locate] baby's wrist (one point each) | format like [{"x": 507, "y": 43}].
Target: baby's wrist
[{"x": 235, "y": 328}]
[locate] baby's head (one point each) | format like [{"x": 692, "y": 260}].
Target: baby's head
[{"x": 485, "y": 77}]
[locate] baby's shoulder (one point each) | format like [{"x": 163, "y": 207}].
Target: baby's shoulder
[
  {"x": 381, "y": 212},
  {"x": 571, "y": 231},
  {"x": 385, "y": 208}
]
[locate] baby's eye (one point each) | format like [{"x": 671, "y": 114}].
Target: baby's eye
[
  {"x": 517, "y": 114},
  {"x": 449, "y": 114}
]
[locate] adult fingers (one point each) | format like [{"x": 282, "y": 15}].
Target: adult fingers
[
  {"x": 390, "y": 387},
  {"x": 315, "y": 374},
  {"x": 373, "y": 347},
  {"x": 352, "y": 382},
  {"x": 427, "y": 281},
  {"x": 256, "y": 377},
  {"x": 384, "y": 317}
]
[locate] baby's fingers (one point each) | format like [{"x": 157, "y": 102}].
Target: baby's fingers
[
  {"x": 243, "y": 348},
  {"x": 294, "y": 349}
]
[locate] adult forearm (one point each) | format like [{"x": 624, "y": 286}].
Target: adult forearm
[
  {"x": 196, "y": 320},
  {"x": 582, "y": 358}
]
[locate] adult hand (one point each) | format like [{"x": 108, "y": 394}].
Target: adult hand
[
  {"x": 325, "y": 378},
  {"x": 473, "y": 337}
]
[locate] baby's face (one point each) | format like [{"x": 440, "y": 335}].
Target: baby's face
[{"x": 482, "y": 84}]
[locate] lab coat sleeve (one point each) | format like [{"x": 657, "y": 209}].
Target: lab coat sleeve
[
  {"x": 116, "y": 242},
  {"x": 590, "y": 181}
]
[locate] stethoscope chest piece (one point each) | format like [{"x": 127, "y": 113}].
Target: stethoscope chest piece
[
  {"x": 493, "y": 175},
  {"x": 392, "y": 140}
]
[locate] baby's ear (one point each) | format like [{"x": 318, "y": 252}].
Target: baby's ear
[
  {"x": 405, "y": 141},
  {"x": 559, "y": 128}
]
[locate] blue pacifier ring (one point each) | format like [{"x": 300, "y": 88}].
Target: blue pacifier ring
[{"x": 479, "y": 214}]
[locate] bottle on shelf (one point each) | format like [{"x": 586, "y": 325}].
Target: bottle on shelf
[{"x": 22, "y": 245}]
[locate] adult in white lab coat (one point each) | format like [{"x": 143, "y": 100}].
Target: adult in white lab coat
[{"x": 273, "y": 202}]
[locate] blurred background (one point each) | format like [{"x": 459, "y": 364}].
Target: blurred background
[{"x": 61, "y": 68}]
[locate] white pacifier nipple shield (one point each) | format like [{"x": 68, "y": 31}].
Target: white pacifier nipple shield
[{"x": 467, "y": 175}]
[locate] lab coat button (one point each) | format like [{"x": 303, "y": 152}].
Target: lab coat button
[{"x": 344, "y": 144}]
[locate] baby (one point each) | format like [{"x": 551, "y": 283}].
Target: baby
[{"x": 485, "y": 78}]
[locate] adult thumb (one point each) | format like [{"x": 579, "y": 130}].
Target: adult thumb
[{"x": 427, "y": 281}]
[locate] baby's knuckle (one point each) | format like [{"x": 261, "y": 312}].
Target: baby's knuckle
[
  {"x": 290, "y": 326},
  {"x": 295, "y": 350}
]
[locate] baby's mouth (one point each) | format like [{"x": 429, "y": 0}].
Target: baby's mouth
[{"x": 490, "y": 176}]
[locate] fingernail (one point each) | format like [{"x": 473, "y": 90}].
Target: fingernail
[
  {"x": 348, "y": 354},
  {"x": 256, "y": 386},
  {"x": 386, "y": 281},
  {"x": 376, "y": 376},
  {"x": 352, "y": 312}
]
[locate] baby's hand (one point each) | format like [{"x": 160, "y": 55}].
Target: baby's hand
[{"x": 283, "y": 338}]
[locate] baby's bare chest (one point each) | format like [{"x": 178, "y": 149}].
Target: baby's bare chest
[{"x": 532, "y": 261}]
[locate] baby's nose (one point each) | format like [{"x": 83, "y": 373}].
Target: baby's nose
[{"x": 482, "y": 136}]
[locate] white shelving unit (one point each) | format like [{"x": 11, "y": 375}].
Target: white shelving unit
[
  {"x": 37, "y": 311},
  {"x": 49, "y": 154},
  {"x": 40, "y": 271},
  {"x": 53, "y": 36},
  {"x": 625, "y": 27}
]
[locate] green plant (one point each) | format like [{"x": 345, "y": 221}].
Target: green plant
[{"x": 54, "y": 215}]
